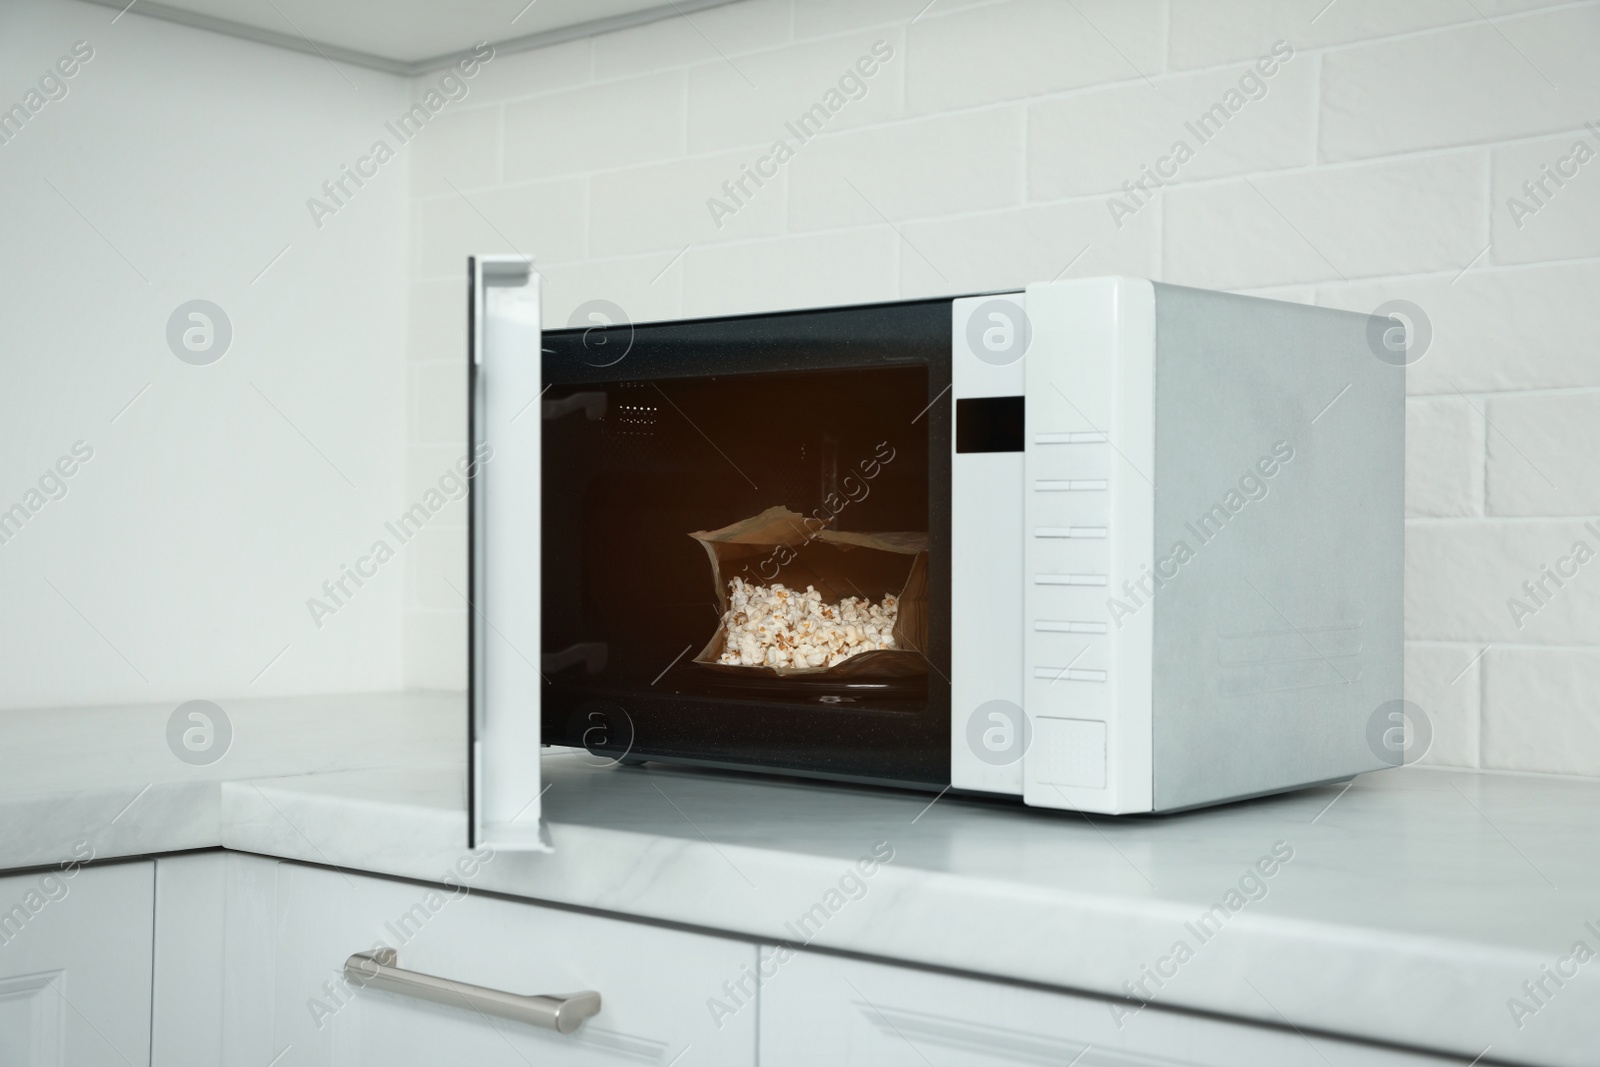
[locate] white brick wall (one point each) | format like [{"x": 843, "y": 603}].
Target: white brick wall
[{"x": 1377, "y": 164}]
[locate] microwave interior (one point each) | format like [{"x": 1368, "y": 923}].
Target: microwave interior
[{"x": 653, "y": 432}]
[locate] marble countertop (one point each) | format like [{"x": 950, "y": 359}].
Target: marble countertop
[
  {"x": 1409, "y": 907},
  {"x": 109, "y": 777}
]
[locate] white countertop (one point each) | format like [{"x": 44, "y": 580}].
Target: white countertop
[
  {"x": 1415, "y": 904},
  {"x": 106, "y": 776}
]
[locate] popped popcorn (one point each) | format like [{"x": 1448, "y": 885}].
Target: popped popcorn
[{"x": 774, "y": 626}]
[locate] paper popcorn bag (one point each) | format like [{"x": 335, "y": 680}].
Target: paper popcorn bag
[{"x": 783, "y": 547}]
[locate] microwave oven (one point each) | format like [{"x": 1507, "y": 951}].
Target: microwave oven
[{"x": 1146, "y": 542}]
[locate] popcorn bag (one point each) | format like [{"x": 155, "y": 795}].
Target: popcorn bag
[{"x": 817, "y": 596}]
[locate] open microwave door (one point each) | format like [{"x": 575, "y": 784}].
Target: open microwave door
[{"x": 503, "y": 640}]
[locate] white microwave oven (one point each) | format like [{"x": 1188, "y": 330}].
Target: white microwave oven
[{"x": 1106, "y": 545}]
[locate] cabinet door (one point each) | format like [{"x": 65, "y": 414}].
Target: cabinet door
[
  {"x": 214, "y": 961},
  {"x": 654, "y": 983},
  {"x": 822, "y": 1009},
  {"x": 75, "y": 966}
]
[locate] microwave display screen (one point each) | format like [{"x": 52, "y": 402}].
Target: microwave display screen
[{"x": 745, "y": 545}]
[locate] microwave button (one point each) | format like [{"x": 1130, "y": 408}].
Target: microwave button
[
  {"x": 1069, "y": 531},
  {"x": 1073, "y": 485},
  {"x": 1096, "y": 437},
  {"x": 1069, "y": 752},
  {"x": 1069, "y": 674},
  {"x": 1051, "y": 626}
]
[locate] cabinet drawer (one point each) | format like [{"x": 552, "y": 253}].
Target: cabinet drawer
[
  {"x": 75, "y": 949},
  {"x": 823, "y": 1009},
  {"x": 653, "y": 982}
]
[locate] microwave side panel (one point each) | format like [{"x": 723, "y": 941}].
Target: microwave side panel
[{"x": 1280, "y": 458}]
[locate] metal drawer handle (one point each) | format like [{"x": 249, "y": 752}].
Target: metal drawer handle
[{"x": 378, "y": 970}]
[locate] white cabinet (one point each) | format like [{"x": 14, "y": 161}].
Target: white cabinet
[
  {"x": 822, "y": 1009},
  {"x": 249, "y": 972},
  {"x": 75, "y": 949},
  {"x": 214, "y": 953},
  {"x": 261, "y": 979}
]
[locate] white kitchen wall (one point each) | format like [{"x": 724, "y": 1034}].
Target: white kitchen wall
[
  {"x": 176, "y": 563},
  {"x": 1380, "y": 161}
]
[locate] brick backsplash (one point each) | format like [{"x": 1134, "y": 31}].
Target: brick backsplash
[{"x": 1396, "y": 151}]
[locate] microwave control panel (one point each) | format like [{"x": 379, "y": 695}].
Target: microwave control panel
[{"x": 1050, "y": 518}]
